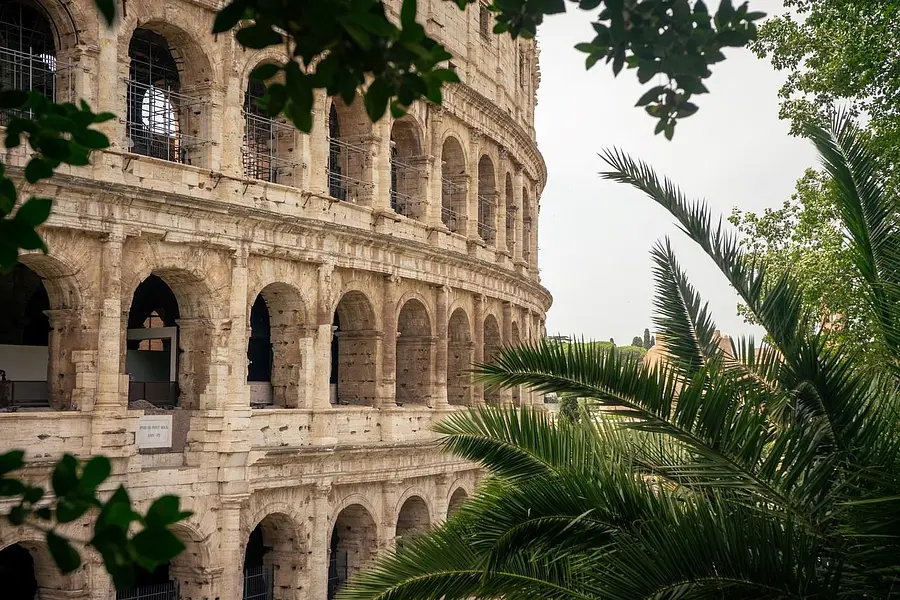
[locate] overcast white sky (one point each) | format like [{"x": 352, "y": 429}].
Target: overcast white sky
[{"x": 595, "y": 236}]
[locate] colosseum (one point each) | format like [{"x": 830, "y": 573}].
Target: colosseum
[{"x": 263, "y": 322}]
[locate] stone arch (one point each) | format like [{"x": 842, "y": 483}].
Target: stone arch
[
  {"x": 41, "y": 327},
  {"x": 269, "y": 143},
  {"x": 354, "y": 348},
  {"x": 457, "y": 498},
  {"x": 487, "y": 200},
  {"x": 167, "y": 104},
  {"x": 28, "y": 571},
  {"x": 274, "y": 558},
  {"x": 415, "y": 348},
  {"x": 277, "y": 346},
  {"x": 493, "y": 342},
  {"x": 413, "y": 518},
  {"x": 407, "y": 173},
  {"x": 348, "y": 155},
  {"x": 511, "y": 211},
  {"x": 187, "y": 575},
  {"x": 169, "y": 366},
  {"x": 460, "y": 356},
  {"x": 454, "y": 183},
  {"x": 354, "y": 542}
]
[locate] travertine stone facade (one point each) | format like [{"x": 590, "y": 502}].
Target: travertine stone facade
[{"x": 296, "y": 310}]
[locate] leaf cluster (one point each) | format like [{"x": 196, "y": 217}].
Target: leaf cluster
[
  {"x": 123, "y": 537},
  {"x": 748, "y": 471},
  {"x": 56, "y": 134},
  {"x": 668, "y": 40}
]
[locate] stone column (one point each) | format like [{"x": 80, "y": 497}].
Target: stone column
[
  {"x": 440, "y": 363},
  {"x": 423, "y": 211},
  {"x": 239, "y": 392},
  {"x": 471, "y": 223},
  {"x": 226, "y": 580},
  {"x": 318, "y": 146},
  {"x": 110, "y": 352},
  {"x": 378, "y": 174},
  {"x": 287, "y": 388},
  {"x": 441, "y": 501},
  {"x": 435, "y": 130},
  {"x": 321, "y": 391},
  {"x": 390, "y": 499},
  {"x": 387, "y": 395},
  {"x": 62, "y": 341},
  {"x": 500, "y": 204},
  {"x": 478, "y": 388},
  {"x": 319, "y": 541}
]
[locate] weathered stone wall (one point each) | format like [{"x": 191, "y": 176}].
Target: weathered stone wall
[{"x": 413, "y": 299}]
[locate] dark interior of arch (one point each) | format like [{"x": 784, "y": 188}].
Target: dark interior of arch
[
  {"x": 153, "y": 297},
  {"x": 160, "y": 576},
  {"x": 259, "y": 349},
  {"x": 23, "y": 300},
  {"x": 17, "y": 573},
  {"x": 256, "y": 549},
  {"x": 336, "y": 187}
]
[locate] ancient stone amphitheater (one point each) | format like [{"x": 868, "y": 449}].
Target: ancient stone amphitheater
[{"x": 263, "y": 322}]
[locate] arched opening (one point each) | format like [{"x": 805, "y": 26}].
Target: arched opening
[
  {"x": 17, "y": 573},
  {"x": 28, "y": 572},
  {"x": 184, "y": 577},
  {"x": 406, "y": 177},
  {"x": 348, "y": 158},
  {"x": 487, "y": 201},
  {"x": 28, "y": 56},
  {"x": 151, "y": 358},
  {"x": 492, "y": 344},
  {"x": 24, "y": 340},
  {"x": 517, "y": 390},
  {"x": 412, "y": 520},
  {"x": 268, "y": 149},
  {"x": 273, "y": 560},
  {"x": 511, "y": 210},
  {"x": 415, "y": 347},
  {"x": 276, "y": 349},
  {"x": 353, "y": 543},
  {"x": 454, "y": 184},
  {"x": 353, "y": 349},
  {"x": 456, "y": 502},
  {"x": 459, "y": 359},
  {"x": 526, "y": 226}
]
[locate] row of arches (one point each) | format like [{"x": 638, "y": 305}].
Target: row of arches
[
  {"x": 167, "y": 107},
  {"x": 276, "y": 557},
  {"x": 169, "y": 337}
]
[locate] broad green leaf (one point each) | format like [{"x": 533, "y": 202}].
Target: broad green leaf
[
  {"x": 35, "y": 211},
  {"x": 64, "y": 555}
]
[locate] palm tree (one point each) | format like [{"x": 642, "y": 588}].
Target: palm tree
[{"x": 764, "y": 472}]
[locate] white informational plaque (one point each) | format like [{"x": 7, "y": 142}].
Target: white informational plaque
[{"x": 154, "y": 431}]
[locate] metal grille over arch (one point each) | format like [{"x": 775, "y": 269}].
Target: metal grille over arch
[
  {"x": 454, "y": 184},
  {"x": 487, "y": 201},
  {"x": 526, "y": 226},
  {"x": 407, "y": 175},
  {"x": 268, "y": 144},
  {"x": 353, "y": 544},
  {"x": 511, "y": 215},
  {"x": 29, "y": 57},
  {"x": 492, "y": 344},
  {"x": 460, "y": 356},
  {"x": 349, "y": 130},
  {"x": 415, "y": 348},
  {"x": 354, "y": 347}
]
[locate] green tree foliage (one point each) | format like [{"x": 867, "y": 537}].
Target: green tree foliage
[
  {"x": 805, "y": 236},
  {"x": 648, "y": 342},
  {"x": 837, "y": 51},
  {"x": 767, "y": 472},
  {"x": 637, "y": 342},
  {"x": 569, "y": 409}
]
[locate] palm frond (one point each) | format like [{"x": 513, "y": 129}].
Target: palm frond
[
  {"x": 871, "y": 218},
  {"x": 680, "y": 318}
]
